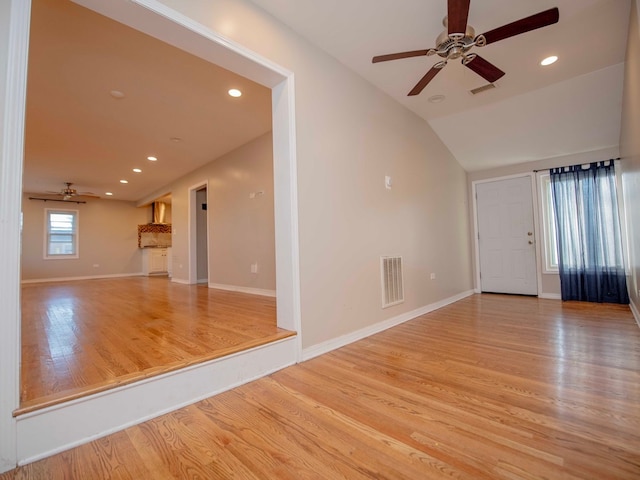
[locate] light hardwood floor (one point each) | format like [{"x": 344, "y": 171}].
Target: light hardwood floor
[
  {"x": 83, "y": 337},
  {"x": 491, "y": 387}
]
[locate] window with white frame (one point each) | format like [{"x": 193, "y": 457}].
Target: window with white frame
[
  {"x": 61, "y": 239},
  {"x": 550, "y": 245}
]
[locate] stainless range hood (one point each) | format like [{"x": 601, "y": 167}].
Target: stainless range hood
[
  {"x": 158, "y": 212},
  {"x": 156, "y": 233}
]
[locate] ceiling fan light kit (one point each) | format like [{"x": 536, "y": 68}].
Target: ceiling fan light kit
[
  {"x": 458, "y": 38},
  {"x": 67, "y": 192}
]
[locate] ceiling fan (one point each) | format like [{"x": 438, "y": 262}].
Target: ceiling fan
[
  {"x": 68, "y": 193},
  {"x": 459, "y": 37}
]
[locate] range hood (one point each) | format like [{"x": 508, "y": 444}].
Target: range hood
[
  {"x": 156, "y": 233},
  {"x": 157, "y": 212}
]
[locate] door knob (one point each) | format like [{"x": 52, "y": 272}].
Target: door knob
[
  {"x": 529, "y": 233},
  {"x": 530, "y": 242}
]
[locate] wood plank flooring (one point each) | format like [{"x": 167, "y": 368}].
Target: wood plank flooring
[
  {"x": 82, "y": 337},
  {"x": 491, "y": 387}
]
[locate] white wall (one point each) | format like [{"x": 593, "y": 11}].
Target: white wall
[
  {"x": 107, "y": 237},
  {"x": 242, "y": 218},
  {"x": 241, "y": 229},
  {"x": 630, "y": 154},
  {"x": 349, "y": 136}
]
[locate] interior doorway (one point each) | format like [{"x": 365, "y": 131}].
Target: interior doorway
[
  {"x": 506, "y": 236},
  {"x": 202, "y": 256},
  {"x": 163, "y": 392}
]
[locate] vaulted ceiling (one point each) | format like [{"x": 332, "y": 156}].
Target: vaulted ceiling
[
  {"x": 534, "y": 113},
  {"x": 78, "y": 132}
]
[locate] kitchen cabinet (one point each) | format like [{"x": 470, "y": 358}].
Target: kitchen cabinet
[{"x": 155, "y": 261}]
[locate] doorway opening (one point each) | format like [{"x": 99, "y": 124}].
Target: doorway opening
[
  {"x": 201, "y": 236},
  {"x": 77, "y": 26},
  {"x": 198, "y": 235},
  {"x": 170, "y": 27}
]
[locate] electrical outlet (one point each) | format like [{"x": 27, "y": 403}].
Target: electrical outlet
[
  {"x": 433, "y": 276},
  {"x": 95, "y": 265},
  {"x": 254, "y": 267}
]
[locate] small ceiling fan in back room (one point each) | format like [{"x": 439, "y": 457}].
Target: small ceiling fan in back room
[
  {"x": 67, "y": 194},
  {"x": 459, "y": 38}
]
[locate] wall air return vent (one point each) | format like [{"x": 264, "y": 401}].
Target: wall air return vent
[
  {"x": 484, "y": 88},
  {"x": 392, "y": 284}
]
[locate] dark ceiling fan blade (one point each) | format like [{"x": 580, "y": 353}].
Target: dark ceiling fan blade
[
  {"x": 424, "y": 81},
  {"x": 539, "y": 20},
  {"x": 397, "y": 56},
  {"x": 457, "y": 14},
  {"x": 485, "y": 69}
]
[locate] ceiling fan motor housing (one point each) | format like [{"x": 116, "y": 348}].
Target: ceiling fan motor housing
[
  {"x": 452, "y": 46},
  {"x": 68, "y": 191}
]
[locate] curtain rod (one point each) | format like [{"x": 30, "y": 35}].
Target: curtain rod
[
  {"x": 546, "y": 169},
  {"x": 57, "y": 200}
]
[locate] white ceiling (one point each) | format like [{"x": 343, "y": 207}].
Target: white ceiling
[
  {"x": 534, "y": 113},
  {"x": 77, "y": 132}
]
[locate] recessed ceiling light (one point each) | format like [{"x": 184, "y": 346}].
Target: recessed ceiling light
[
  {"x": 153, "y": 159},
  {"x": 124, "y": 181},
  {"x": 234, "y": 92},
  {"x": 549, "y": 60},
  {"x": 436, "y": 99},
  {"x": 175, "y": 139},
  {"x": 116, "y": 94},
  {"x": 137, "y": 170},
  {"x": 108, "y": 193}
]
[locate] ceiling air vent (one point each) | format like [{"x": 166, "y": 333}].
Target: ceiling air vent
[
  {"x": 484, "y": 88},
  {"x": 392, "y": 285}
]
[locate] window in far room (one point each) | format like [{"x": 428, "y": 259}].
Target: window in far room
[
  {"x": 61, "y": 233},
  {"x": 549, "y": 246}
]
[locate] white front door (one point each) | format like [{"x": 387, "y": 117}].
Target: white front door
[{"x": 506, "y": 236}]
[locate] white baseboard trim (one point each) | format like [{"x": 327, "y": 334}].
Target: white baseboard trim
[
  {"x": 252, "y": 291},
  {"x": 550, "y": 296},
  {"x": 181, "y": 281},
  {"x": 635, "y": 311},
  {"x": 325, "y": 347},
  {"x": 60, "y": 427},
  {"x": 88, "y": 277}
]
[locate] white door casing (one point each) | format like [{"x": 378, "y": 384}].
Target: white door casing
[
  {"x": 32, "y": 436},
  {"x": 506, "y": 236}
]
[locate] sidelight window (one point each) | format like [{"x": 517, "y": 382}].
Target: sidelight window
[{"x": 550, "y": 245}]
